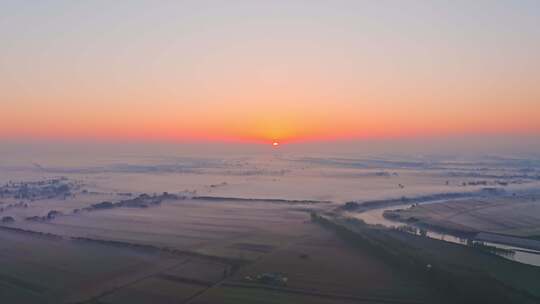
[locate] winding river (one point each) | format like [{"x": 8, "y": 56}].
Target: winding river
[{"x": 375, "y": 217}]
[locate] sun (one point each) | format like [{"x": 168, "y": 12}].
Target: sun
[{"x": 275, "y": 144}]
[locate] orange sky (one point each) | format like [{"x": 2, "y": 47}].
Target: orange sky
[{"x": 263, "y": 72}]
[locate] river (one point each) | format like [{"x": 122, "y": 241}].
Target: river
[{"x": 375, "y": 217}]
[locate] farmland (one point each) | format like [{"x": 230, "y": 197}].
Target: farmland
[
  {"x": 515, "y": 216},
  {"x": 146, "y": 266},
  {"x": 207, "y": 231}
]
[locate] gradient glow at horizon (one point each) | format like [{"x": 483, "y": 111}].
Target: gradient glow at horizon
[{"x": 268, "y": 70}]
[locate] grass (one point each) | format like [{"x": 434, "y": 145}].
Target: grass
[
  {"x": 153, "y": 290},
  {"x": 323, "y": 264},
  {"x": 235, "y": 295},
  {"x": 458, "y": 273},
  {"x": 35, "y": 269}
]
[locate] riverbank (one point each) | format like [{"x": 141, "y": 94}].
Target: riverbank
[{"x": 508, "y": 220}]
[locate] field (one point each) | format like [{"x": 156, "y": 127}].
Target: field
[
  {"x": 243, "y": 230},
  {"x": 317, "y": 264},
  {"x": 464, "y": 274},
  {"x": 324, "y": 264},
  {"x": 204, "y": 230},
  {"x": 42, "y": 269}
]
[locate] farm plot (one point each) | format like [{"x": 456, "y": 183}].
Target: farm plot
[
  {"x": 198, "y": 271},
  {"x": 322, "y": 264},
  {"x": 39, "y": 269},
  {"x": 173, "y": 285},
  {"x": 513, "y": 216},
  {"x": 153, "y": 290},
  {"x": 245, "y": 230},
  {"x": 235, "y": 295}
]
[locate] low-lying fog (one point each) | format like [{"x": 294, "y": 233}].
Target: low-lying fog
[{"x": 338, "y": 171}]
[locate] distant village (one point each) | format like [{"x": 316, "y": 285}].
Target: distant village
[{"x": 59, "y": 187}]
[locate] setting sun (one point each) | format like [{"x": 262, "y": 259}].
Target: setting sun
[{"x": 275, "y": 144}]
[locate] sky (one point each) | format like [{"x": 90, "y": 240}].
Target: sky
[{"x": 263, "y": 71}]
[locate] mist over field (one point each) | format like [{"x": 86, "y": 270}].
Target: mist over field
[
  {"x": 456, "y": 146},
  {"x": 269, "y": 152},
  {"x": 228, "y": 222}
]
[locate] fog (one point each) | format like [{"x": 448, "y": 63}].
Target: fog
[{"x": 458, "y": 146}]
